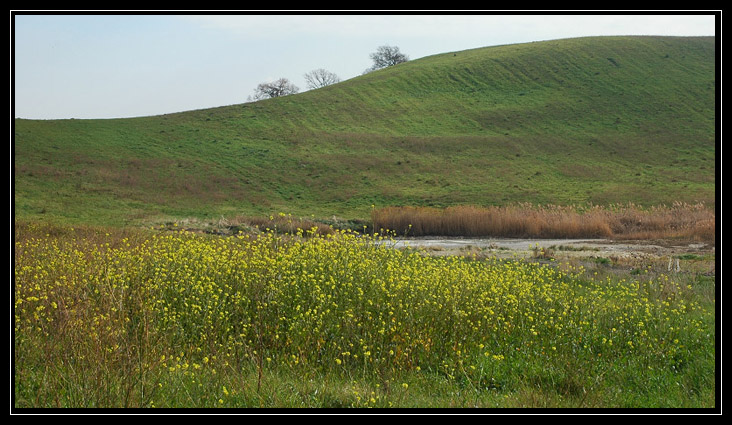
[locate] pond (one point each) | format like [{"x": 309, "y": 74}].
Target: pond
[{"x": 526, "y": 247}]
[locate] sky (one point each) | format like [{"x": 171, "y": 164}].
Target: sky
[{"x": 85, "y": 65}]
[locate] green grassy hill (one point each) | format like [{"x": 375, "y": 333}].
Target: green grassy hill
[{"x": 588, "y": 120}]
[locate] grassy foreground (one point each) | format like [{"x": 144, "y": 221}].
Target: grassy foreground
[{"x": 123, "y": 318}]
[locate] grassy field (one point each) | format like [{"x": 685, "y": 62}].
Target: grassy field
[
  {"x": 232, "y": 257},
  {"x": 576, "y": 121},
  {"x": 120, "y": 318}
]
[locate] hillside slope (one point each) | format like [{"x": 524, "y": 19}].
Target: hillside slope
[{"x": 600, "y": 120}]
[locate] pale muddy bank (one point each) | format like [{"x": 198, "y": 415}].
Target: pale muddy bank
[{"x": 509, "y": 247}]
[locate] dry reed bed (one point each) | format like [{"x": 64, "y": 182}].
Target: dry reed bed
[{"x": 693, "y": 222}]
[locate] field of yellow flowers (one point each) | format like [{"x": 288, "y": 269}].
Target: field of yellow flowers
[{"x": 175, "y": 319}]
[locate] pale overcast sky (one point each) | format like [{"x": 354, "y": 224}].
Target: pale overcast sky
[{"x": 126, "y": 65}]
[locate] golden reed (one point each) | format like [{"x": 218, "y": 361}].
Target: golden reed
[{"x": 679, "y": 221}]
